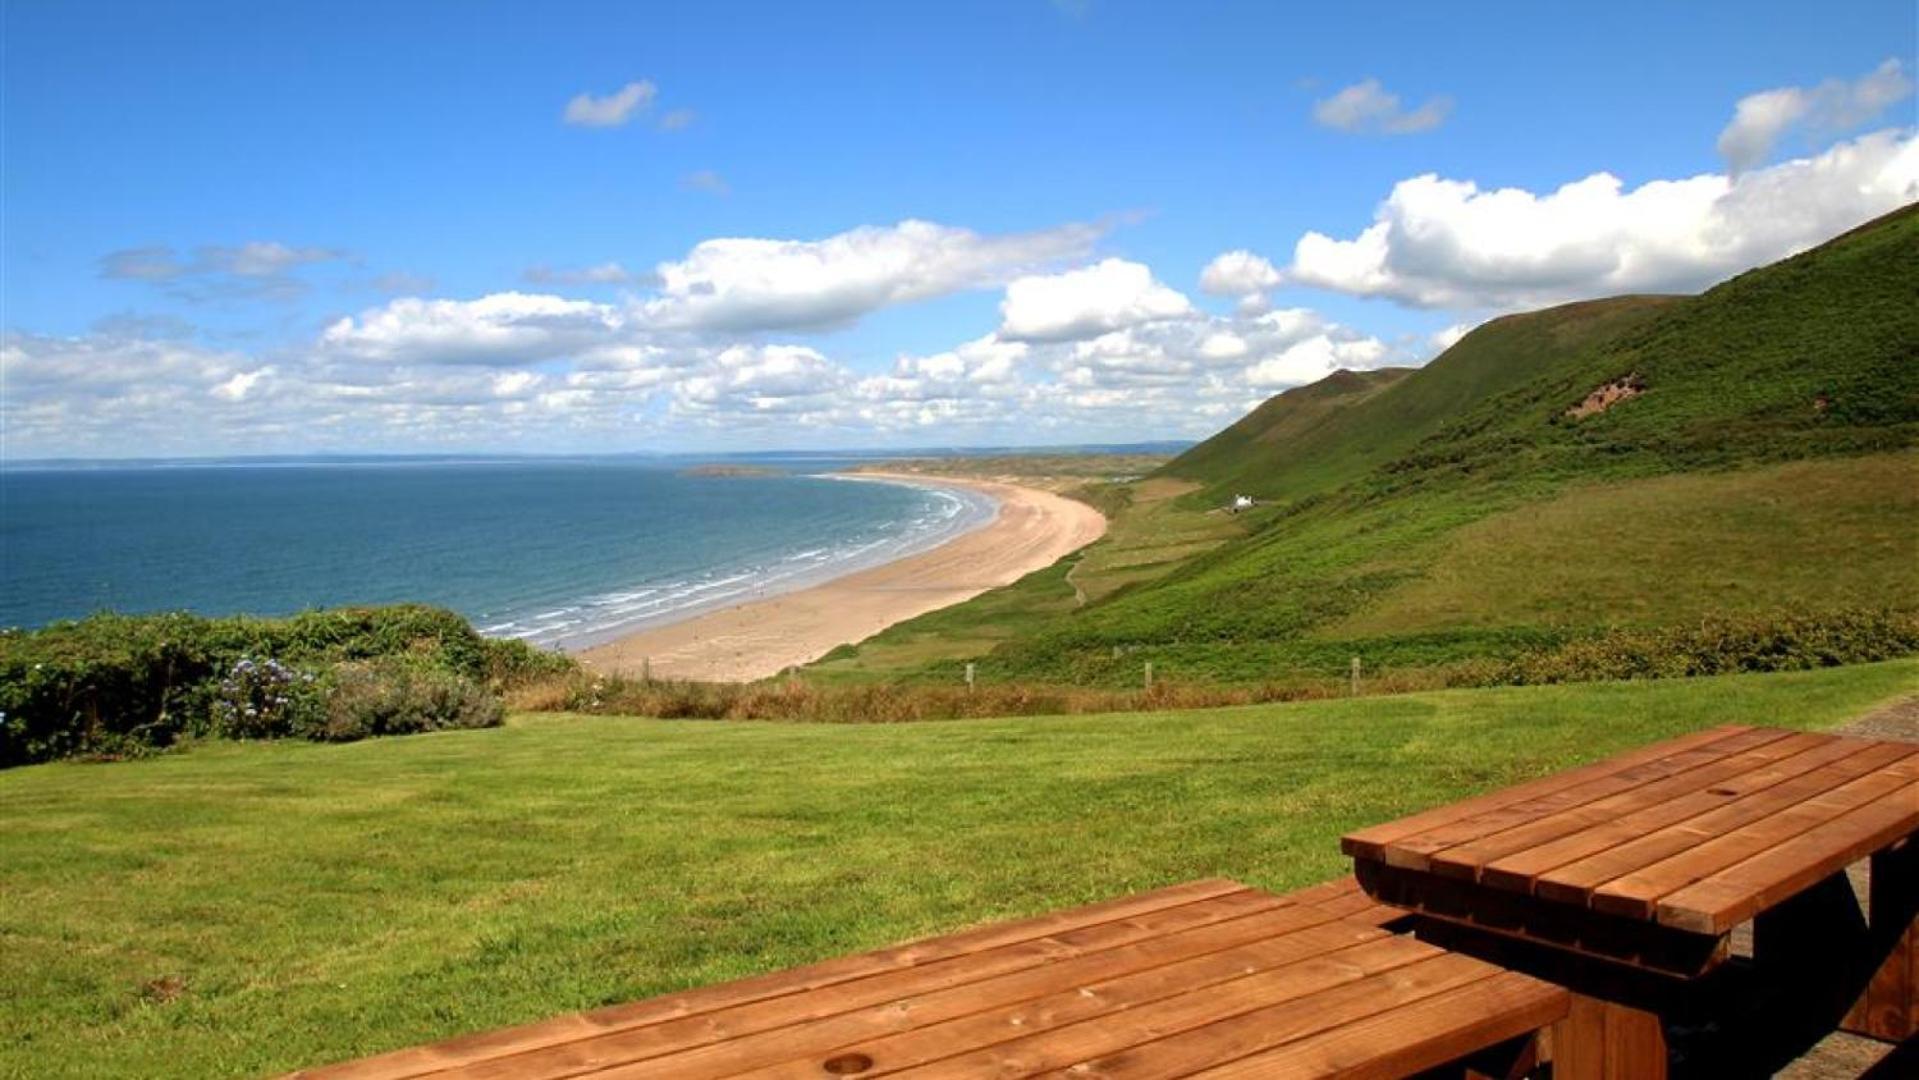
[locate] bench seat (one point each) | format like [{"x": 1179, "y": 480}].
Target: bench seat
[{"x": 1207, "y": 978}]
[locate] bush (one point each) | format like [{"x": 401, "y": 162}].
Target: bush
[
  {"x": 266, "y": 700},
  {"x": 124, "y": 684},
  {"x": 394, "y": 698}
]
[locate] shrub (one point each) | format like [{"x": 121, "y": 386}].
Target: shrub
[
  {"x": 125, "y": 684},
  {"x": 266, "y": 699},
  {"x": 395, "y": 698}
]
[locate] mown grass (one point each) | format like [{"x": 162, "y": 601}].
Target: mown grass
[{"x": 241, "y": 908}]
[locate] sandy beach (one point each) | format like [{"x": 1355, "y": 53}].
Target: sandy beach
[{"x": 1034, "y": 529}]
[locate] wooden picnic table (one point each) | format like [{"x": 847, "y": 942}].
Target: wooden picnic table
[
  {"x": 1649, "y": 860},
  {"x": 1208, "y": 978}
]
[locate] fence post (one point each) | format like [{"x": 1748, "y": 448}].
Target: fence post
[
  {"x": 1355, "y": 676},
  {"x": 969, "y": 677},
  {"x": 1149, "y": 674},
  {"x": 646, "y": 669}
]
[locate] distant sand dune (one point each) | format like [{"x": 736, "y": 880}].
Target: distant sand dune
[{"x": 764, "y": 637}]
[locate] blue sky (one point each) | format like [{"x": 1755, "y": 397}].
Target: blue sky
[{"x": 291, "y": 227}]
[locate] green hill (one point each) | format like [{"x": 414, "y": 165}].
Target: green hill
[
  {"x": 1314, "y": 438},
  {"x": 1621, "y": 486}
]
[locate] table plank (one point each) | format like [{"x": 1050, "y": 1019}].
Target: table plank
[
  {"x": 1416, "y": 852},
  {"x": 421, "y": 1060},
  {"x": 1711, "y": 784},
  {"x": 1731, "y": 896},
  {"x": 1518, "y": 870},
  {"x": 1575, "y": 882},
  {"x": 1637, "y": 894},
  {"x": 1371, "y": 842}
]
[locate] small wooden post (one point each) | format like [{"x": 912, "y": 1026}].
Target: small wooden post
[
  {"x": 646, "y": 669},
  {"x": 1149, "y": 674},
  {"x": 969, "y": 677},
  {"x": 1355, "y": 676}
]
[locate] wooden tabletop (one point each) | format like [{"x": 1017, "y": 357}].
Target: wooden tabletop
[
  {"x": 1697, "y": 834},
  {"x": 1208, "y": 978}
]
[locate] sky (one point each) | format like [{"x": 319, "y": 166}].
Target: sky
[{"x": 242, "y": 228}]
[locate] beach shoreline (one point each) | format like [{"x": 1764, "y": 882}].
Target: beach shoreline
[{"x": 1032, "y": 530}]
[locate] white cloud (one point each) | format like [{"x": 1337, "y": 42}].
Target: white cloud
[
  {"x": 1448, "y": 243},
  {"x": 237, "y": 387},
  {"x": 502, "y": 329},
  {"x": 677, "y": 120},
  {"x": 741, "y": 284},
  {"x": 761, "y": 379},
  {"x": 1109, "y": 295},
  {"x": 1368, "y": 108},
  {"x": 1761, "y": 120},
  {"x": 614, "y": 109}
]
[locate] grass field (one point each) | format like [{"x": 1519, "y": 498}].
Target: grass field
[{"x": 241, "y": 908}]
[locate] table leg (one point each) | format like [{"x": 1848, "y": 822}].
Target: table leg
[
  {"x": 1604, "y": 1040},
  {"x": 1889, "y": 1008}
]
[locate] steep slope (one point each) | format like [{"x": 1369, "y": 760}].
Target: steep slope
[
  {"x": 1314, "y": 438},
  {"x": 1812, "y": 358}
]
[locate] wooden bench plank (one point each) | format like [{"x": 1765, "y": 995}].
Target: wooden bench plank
[
  {"x": 1372, "y": 842},
  {"x": 1261, "y": 1030},
  {"x": 421, "y": 1060},
  {"x": 1637, "y": 894},
  {"x": 658, "y": 1040},
  {"x": 1118, "y": 997},
  {"x": 1424, "y": 1035},
  {"x": 1262, "y": 940},
  {"x": 1417, "y": 851},
  {"x": 1517, "y": 871},
  {"x": 1705, "y": 787},
  {"x": 1730, "y": 896},
  {"x": 1060, "y": 1047},
  {"x": 1575, "y": 882}
]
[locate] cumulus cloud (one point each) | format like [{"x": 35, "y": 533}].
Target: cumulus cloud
[
  {"x": 1446, "y": 243},
  {"x": 611, "y": 110},
  {"x": 1368, "y": 108},
  {"x": 502, "y": 329},
  {"x": 1109, "y": 295},
  {"x": 1242, "y": 275},
  {"x": 743, "y": 284},
  {"x": 1761, "y": 120},
  {"x": 761, "y": 379}
]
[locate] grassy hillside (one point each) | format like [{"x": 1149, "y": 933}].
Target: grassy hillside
[
  {"x": 246, "y": 908},
  {"x": 1554, "y": 477},
  {"x": 1313, "y": 438}
]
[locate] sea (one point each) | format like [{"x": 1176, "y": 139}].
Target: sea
[{"x": 561, "y": 552}]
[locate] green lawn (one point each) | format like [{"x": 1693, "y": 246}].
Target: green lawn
[{"x": 242, "y": 908}]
